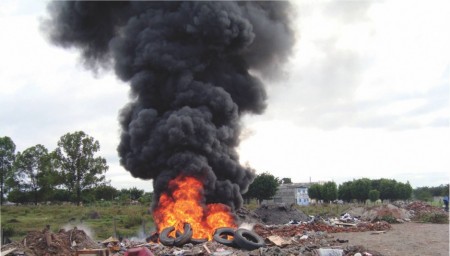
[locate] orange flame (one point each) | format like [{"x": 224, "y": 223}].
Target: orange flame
[{"x": 185, "y": 205}]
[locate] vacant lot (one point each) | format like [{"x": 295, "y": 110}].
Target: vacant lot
[
  {"x": 100, "y": 220},
  {"x": 404, "y": 239}
]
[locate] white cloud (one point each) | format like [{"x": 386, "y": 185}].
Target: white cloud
[
  {"x": 367, "y": 96},
  {"x": 340, "y": 155}
]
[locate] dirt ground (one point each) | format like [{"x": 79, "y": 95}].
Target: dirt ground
[{"x": 404, "y": 239}]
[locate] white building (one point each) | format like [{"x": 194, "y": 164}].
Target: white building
[{"x": 296, "y": 193}]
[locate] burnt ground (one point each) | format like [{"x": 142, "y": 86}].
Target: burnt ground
[{"x": 280, "y": 214}]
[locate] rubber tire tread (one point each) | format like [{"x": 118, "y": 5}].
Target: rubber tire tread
[
  {"x": 240, "y": 239},
  {"x": 224, "y": 231},
  {"x": 164, "y": 238},
  {"x": 198, "y": 240},
  {"x": 184, "y": 237}
]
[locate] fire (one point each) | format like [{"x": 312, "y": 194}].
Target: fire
[{"x": 185, "y": 205}]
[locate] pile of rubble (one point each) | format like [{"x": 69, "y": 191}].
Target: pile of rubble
[
  {"x": 285, "y": 231},
  {"x": 280, "y": 214},
  {"x": 45, "y": 242},
  {"x": 301, "y": 229},
  {"x": 380, "y": 212},
  {"x": 418, "y": 207}
]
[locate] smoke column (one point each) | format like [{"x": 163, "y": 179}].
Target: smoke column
[{"x": 188, "y": 67}]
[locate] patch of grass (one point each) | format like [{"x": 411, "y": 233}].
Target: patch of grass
[
  {"x": 330, "y": 210},
  {"x": 23, "y": 219}
]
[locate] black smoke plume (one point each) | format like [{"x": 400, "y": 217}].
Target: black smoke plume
[{"x": 188, "y": 65}]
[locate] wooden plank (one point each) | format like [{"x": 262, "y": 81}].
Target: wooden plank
[
  {"x": 345, "y": 224},
  {"x": 4, "y": 253}
]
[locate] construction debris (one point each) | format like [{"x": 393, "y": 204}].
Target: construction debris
[
  {"x": 296, "y": 234},
  {"x": 48, "y": 243}
]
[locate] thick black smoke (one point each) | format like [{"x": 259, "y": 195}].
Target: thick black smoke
[{"x": 188, "y": 67}]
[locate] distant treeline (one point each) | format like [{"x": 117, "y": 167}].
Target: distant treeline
[
  {"x": 367, "y": 189},
  {"x": 427, "y": 193}
]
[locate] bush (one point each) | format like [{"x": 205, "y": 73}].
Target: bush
[
  {"x": 8, "y": 231},
  {"x": 132, "y": 220},
  {"x": 440, "y": 218}
]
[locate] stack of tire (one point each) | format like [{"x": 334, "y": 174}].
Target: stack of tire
[{"x": 241, "y": 238}]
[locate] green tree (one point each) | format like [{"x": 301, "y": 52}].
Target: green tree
[
  {"x": 403, "y": 191},
  {"x": 345, "y": 191},
  {"x": 286, "y": 181},
  {"x": 136, "y": 193},
  {"x": 360, "y": 189},
  {"x": 264, "y": 186},
  {"x": 79, "y": 167},
  {"x": 387, "y": 189},
  {"x": 146, "y": 198},
  {"x": 105, "y": 192},
  {"x": 7, "y": 157},
  {"x": 131, "y": 193},
  {"x": 423, "y": 194},
  {"x": 31, "y": 171},
  {"x": 329, "y": 191},
  {"x": 374, "y": 195},
  {"x": 314, "y": 191}
]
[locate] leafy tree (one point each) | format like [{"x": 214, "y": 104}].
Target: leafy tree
[
  {"x": 31, "y": 168},
  {"x": 78, "y": 166},
  {"x": 105, "y": 192},
  {"x": 328, "y": 191},
  {"x": 441, "y": 190},
  {"x": 345, "y": 191},
  {"x": 427, "y": 193},
  {"x": 374, "y": 195},
  {"x": 263, "y": 187},
  {"x": 60, "y": 195},
  {"x": 360, "y": 189},
  {"x": 403, "y": 191},
  {"x": 423, "y": 194},
  {"x": 286, "y": 181},
  {"x": 136, "y": 193},
  {"x": 146, "y": 198},
  {"x": 7, "y": 157},
  {"x": 314, "y": 191},
  {"x": 131, "y": 193},
  {"x": 387, "y": 189}
]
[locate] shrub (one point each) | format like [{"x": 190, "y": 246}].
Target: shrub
[
  {"x": 440, "y": 218},
  {"x": 8, "y": 231},
  {"x": 132, "y": 220}
]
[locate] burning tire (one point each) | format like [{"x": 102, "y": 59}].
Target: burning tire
[
  {"x": 248, "y": 240},
  {"x": 184, "y": 237},
  {"x": 164, "y": 236},
  {"x": 221, "y": 234}
]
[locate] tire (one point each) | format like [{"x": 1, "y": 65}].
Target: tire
[
  {"x": 184, "y": 237},
  {"x": 248, "y": 240},
  {"x": 164, "y": 238},
  {"x": 198, "y": 240},
  {"x": 221, "y": 232}
]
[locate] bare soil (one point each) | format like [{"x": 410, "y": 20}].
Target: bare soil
[{"x": 404, "y": 239}]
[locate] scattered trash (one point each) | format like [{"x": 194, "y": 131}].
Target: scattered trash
[
  {"x": 330, "y": 252},
  {"x": 278, "y": 241},
  {"x": 297, "y": 236}
]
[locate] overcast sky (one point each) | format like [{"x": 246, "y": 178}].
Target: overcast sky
[{"x": 366, "y": 94}]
